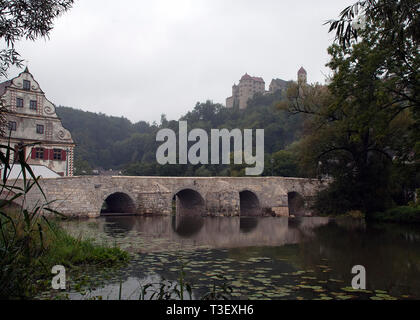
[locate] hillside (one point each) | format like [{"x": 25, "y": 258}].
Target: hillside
[{"x": 115, "y": 142}]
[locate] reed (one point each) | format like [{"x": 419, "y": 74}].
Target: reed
[{"x": 31, "y": 243}]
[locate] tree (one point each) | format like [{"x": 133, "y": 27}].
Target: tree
[
  {"x": 26, "y": 19},
  {"x": 394, "y": 25},
  {"x": 364, "y": 120},
  {"x": 284, "y": 164},
  {"x": 82, "y": 167}
]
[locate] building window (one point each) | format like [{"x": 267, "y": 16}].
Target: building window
[
  {"x": 26, "y": 85},
  {"x": 32, "y": 105},
  {"x": 39, "y": 153},
  {"x": 12, "y": 125},
  {"x": 57, "y": 154},
  {"x": 19, "y": 102},
  {"x": 40, "y": 129}
]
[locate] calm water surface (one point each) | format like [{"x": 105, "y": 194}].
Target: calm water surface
[{"x": 261, "y": 258}]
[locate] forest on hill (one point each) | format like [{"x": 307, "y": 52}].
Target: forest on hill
[{"x": 108, "y": 142}]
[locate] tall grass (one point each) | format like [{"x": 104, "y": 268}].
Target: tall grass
[
  {"x": 21, "y": 230},
  {"x": 30, "y": 243}
]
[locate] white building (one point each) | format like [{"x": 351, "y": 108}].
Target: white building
[{"x": 31, "y": 119}]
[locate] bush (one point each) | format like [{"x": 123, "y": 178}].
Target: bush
[
  {"x": 356, "y": 214},
  {"x": 398, "y": 214}
]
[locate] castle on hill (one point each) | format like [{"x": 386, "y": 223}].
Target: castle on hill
[{"x": 249, "y": 85}]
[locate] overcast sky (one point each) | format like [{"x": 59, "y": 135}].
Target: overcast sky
[{"x": 139, "y": 59}]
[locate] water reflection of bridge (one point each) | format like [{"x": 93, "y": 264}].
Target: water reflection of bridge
[{"x": 215, "y": 232}]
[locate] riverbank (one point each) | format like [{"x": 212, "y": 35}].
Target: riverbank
[
  {"x": 402, "y": 214},
  {"x": 25, "y": 273}
]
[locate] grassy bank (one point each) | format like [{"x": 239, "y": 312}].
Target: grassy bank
[
  {"x": 24, "y": 273},
  {"x": 400, "y": 214},
  {"x": 30, "y": 244}
]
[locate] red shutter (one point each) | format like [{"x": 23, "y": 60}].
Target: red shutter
[
  {"x": 46, "y": 154},
  {"x": 51, "y": 152},
  {"x": 33, "y": 153},
  {"x": 16, "y": 153},
  {"x": 63, "y": 154}
]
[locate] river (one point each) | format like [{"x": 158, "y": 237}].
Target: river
[{"x": 259, "y": 258}]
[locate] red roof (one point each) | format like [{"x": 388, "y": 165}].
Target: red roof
[
  {"x": 246, "y": 76},
  {"x": 258, "y": 79},
  {"x": 301, "y": 70}
]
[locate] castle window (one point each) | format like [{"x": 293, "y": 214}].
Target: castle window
[
  {"x": 12, "y": 125},
  {"x": 26, "y": 85},
  {"x": 57, "y": 154},
  {"x": 32, "y": 105},
  {"x": 19, "y": 102},
  {"x": 39, "y": 128}
]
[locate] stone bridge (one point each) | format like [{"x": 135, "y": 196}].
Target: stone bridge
[{"x": 91, "y": 196}]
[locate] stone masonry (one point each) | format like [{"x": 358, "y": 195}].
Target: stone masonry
[{"x": 83, "y": 196}]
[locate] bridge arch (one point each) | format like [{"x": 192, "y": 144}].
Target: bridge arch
[
  {"x": 118, "y": 202},
  {"x": 296, "y": 203},
  {"x": 249, "y": 204},
  {"x": 188, "y": 201}
]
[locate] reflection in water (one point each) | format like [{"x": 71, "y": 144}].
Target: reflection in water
[
  {"x": 118, "y": 225},
  {"x": 271, "y": 257},
  {"x": 215, "y": 232},
  {"x": 187, "y": 225},
  {"x": 295, "y": 223},
  {"x": 247, "y": 224}
]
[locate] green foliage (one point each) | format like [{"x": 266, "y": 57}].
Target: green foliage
[
  {"x": 404, "y": 214},
  {"x": 356, "y": 214},
  {"x": 82, "y": 167},
  {"x": 70, "y": 252},
  {"x": 112, "y": 142},
  {"x": 285, "y": 164},
  {"x": 363, "y": 128},
  {"x": 26, "y": 19},
  {"x": 29, "y": 243}
]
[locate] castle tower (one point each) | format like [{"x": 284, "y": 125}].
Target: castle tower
[
  {"x": 245, "y": 90},
  {"x": 301, "y": 75}
]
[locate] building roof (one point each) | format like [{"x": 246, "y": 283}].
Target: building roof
[
  {"x": 279, "y": 81},
  {"x": 246, "y": 76},
  {"x": 7, "y": 83},
  {"x": 3, "y": 86},
  {"x": 302, "y": 70},
  {"x": 258, "y": 79}
]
